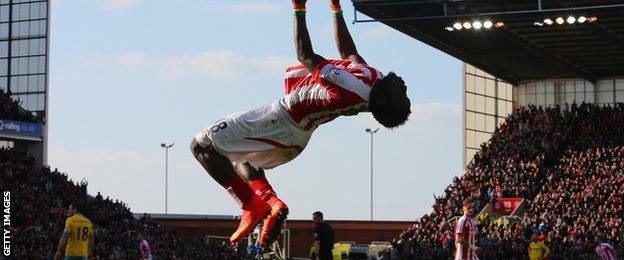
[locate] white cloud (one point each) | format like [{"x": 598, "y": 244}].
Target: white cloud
[
  {"x": 255, "y": 8},
  {"x": 101, "y": 162},
  {"x": 219, "y": 63},
  {"x": 134, "y": 60},
  {"x": 431, "y": 111},
  {"x": 119, "y": 4},
  {"x": 424, "y": 114},
  {"x": 380, "y": 31}
]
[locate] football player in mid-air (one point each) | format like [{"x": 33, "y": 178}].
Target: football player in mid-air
[{"x": 237, "y": 149}]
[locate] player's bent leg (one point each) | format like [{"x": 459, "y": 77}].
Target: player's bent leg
[
  {"x": 248, "y": 172},
  {"x": 279, "y": 211},
  {"x": 218, "y": 166},
  {"x": 220, "y": 169}
]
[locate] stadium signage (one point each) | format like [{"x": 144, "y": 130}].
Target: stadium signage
[
  {"x": 20, "y": 128},
  {"x": 506, "y": 205}
]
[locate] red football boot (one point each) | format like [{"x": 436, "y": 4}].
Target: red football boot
[
  {"x": 254, "y": 211},
  {"x": 274, "y": 222}
]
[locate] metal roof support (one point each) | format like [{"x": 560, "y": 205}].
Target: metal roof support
[
  {"x": 549, "y": 56},
  {"x": 354, "y": 15},
  {"x": 458, "y": 54},
  {"x": 601, "y": 30},
  {"x": 604, "y": 32},
  {"x": 362, "y": 3},
  {"x": 608, "y": 35},
  {"x": 386, "y": 2}
]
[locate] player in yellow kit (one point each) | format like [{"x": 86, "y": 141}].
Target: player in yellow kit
[
  {"x": 77, "y": 238},
  {"x": 537, "y": 249}
]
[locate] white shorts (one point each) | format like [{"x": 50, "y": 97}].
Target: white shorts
[{"x": 265, "y": 137}]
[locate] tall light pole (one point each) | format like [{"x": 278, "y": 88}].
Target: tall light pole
[
  {"x": 371, "y": 132},
  {"x": 163, "y": 145}
]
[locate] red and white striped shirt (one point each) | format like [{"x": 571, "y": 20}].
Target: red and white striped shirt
[
  {"x": 467, "y": 229},
  {"x": 335, "y": 88},
  {"x": 605, "y": 251},
  {"x": 144, "y": 248}
]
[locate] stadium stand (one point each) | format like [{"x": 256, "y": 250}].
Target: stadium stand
[
  {"x": 40, "y": 197},
  {"x": 567, "y": 163}
]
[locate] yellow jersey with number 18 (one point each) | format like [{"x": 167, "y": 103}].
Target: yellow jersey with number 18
[{"x": 79, "y": 229}]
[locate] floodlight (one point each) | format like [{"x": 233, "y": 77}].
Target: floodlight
[
  {"x": 457, "y": 26},
  {"x": 487, "y": 24},
  {"x": 548, "y": 21},
  {"x": 560, "y": 20},
  {"x": 499, "y": 24},
  {"x": 571, "y": 19},
  {"x": 581, "y": 19},
  {"x": 467, "y": 25},
  {"x": 477, "y": 25},
  {"x": 450, "y": 29}
]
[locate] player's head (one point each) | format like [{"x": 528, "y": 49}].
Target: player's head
[
  {"x": 74, "y": 208},
  {"x": 389, "y": 102},
  {"x": 468, "y": 207},
  {"x": 534, "y": 237},
  {"x": 317, "y": 217}
]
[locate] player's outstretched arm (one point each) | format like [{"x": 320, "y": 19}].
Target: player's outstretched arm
[
  {"x": 303, "y": 44},
  {"x": 344, "y": 41}
]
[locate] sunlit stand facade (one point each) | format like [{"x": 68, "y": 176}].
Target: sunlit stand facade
[{"x": 486, "y": 102}]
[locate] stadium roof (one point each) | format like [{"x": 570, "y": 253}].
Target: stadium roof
[{"x": 520, "y": 50}]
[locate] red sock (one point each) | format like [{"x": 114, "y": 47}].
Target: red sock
[
  {"x": 262, "y": 188},
  {"x": 239, "y": 190}
]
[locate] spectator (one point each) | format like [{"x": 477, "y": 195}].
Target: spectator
[
  {"x": 10, "y": 109},
  {"x": 537, "y": 249},
  {"x": 144, "y": 248},
  {"x": 323, "y": 237}
]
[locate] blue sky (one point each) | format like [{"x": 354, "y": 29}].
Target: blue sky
[{"x": 126, "y": 75}]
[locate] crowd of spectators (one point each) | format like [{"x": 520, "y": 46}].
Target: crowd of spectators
[
  {"x": 568, "y": 165},
  {"x": 582, "y": 199},
  {"x": 10, "y": 109},
  {"x": 40, "y": 197}
]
